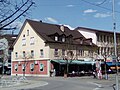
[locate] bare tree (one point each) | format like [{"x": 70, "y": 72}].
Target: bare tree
[
  {"x": 26, "y": 59},
  {"x": 11, "y": 10}
]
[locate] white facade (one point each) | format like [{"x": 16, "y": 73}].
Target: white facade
[
  {"x": 30, "y": 43},
  {"x": 89, "y": 34},
  {"x": 38, "y": 44}
]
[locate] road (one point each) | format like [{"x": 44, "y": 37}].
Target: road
[{"x": 60, "y": 83}]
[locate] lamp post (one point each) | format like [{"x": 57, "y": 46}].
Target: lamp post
[{"x": 115, "y": 49}]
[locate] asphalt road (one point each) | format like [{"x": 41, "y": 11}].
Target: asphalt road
[{"x": 74, "y": 83}]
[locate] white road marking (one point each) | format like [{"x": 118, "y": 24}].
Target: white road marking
[{"x": 99, "y": 85}]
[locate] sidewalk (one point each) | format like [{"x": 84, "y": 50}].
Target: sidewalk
[{"x": 28, "y": 84}]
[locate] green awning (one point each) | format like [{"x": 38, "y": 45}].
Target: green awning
[{"x": 73, "y": 62}]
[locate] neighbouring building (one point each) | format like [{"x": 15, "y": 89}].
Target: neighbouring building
[
  {"x": 6, "y": 42},
  {"x": 105, "y": 42},
  {"x": 41, "y": 47}
]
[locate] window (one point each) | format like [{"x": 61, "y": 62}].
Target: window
[
  {"x": 32, "y": 40},
  {"x": 63, "y": 52},
  {"x": 16, "y": 67},
  {"x": 101, "y": 38},
  {"x": 32, "y": 53},
  {"x": 56, "y": 38},
  {"x": 32, "y": 66},
  {"x": 23, "y": 67},
  {"x": 41, "y": 67},
  {"x": 90, "y": 53},
  {"x": 56, "y": 52},
  {"x": 78, "y": 52},
  {"x": 98, "y": 38},
  {"x": 23, "y": 35},
  {"x": 81, "y": 52},
  {"x": 104, "y": 38},
  {"x": 41, "y": 52},
  {"x": 23, "y": 42},
  {"x": 16, "y": 54},
  {"x": 27, "y": 32},
  {"x": 23, "y": 54},
  {"x": 63, "y": 39}
]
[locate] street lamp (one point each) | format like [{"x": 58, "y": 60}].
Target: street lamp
[{"x": 114, "y": 28}]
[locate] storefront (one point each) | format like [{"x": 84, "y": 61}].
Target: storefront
[{"x": 77, "y": 66}]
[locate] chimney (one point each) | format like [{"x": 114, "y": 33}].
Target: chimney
[
  {"x": 41, "y": 21},
  {"x": 62, "y": 28}
]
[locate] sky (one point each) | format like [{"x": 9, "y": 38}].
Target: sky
[{"x": 95, "y": 14}]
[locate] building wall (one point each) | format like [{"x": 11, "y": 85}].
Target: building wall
[
  {"x": 38, "y": 44},
  {"x": 80, "y": 52},
  {"x": 89, "y": 34},
  {"x": 104, "y": 40},
  {"x": 28, "y": 71},
  {"x": 36, "y": 47}
]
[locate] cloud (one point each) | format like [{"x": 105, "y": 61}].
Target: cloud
[
  {"x": 89, "y": 11},
  {"x": 71, "y": 28},
  {"x": 52, "y": 20},
  {"x": 102, "y": 15},
  {"x": 70, "y": 6}
]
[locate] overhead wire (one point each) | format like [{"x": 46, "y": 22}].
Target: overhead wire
[
  {"x": 99, "y": 5},
  {"x": 102, "y": 2}
]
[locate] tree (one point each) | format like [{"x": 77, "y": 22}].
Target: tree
[
  {"x": 11, "y": 10},
  {"x": 68, "y": 59},
  {"x": 26, "y": 59}
]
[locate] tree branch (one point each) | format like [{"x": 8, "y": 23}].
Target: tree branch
[
  {"x": 14, "y": 12},
  {"x": 16, "y": 17}
]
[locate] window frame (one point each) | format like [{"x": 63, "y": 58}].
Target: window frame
[
  {"x": 56, "y": 52},
  {"x": 32, "y": 40},
  {"x": 32, "y": 67},
  {"x": 16, "y": 67},
  {"x": 56, "y": 38},
  {"x": 16, "y": 54},
  {"x": 32, "y": 53},
  {"x": 24, "y": 54},
  {"x": 28, "y": 33},
  {"x": 41, "y": 53},
  {"x": 23, "y": 68},
  {"x": 42, "y": 67},
  {"x": 23, "y": 42}
]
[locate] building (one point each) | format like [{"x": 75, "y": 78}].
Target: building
[
  {"x": 103, "y": 39},
  {"x": 105, "y": 42},
  {"x": 39, "y": 46},
  {"x": 6, "y": 42}
]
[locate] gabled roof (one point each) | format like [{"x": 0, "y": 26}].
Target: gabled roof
[{"x": 44, "y": 30}]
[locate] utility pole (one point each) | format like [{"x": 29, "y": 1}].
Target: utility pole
[{"x": 114, "y": 29}]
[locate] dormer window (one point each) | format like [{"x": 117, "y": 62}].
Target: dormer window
[
  {"x": 56, "y": 38},
  {"x": 63, "y": 39},
  {"x": 81, "y": 41}
]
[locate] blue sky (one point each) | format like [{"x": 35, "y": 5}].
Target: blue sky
[{"x": 77, "y": 13}]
